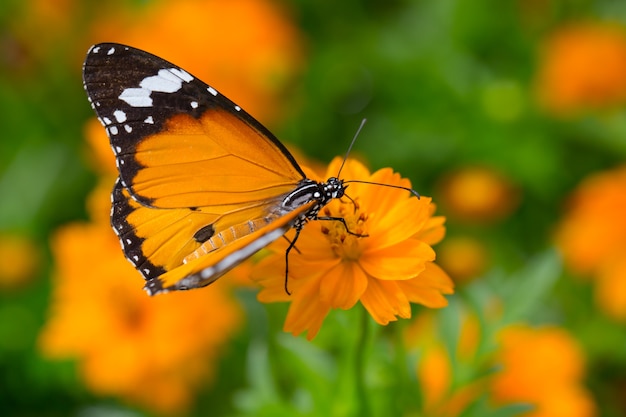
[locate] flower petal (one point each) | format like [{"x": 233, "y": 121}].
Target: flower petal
[
  {"x": 270, "y": 274},
  {"x": 307, "y": 311},
  {"x": 428, "y": 287},
  {"x": 343, "y": 285},
  {"x": 384, "y": 300},
  {"x": 433, "y": 230},
  {"x": 404, "y": 260},
  {"x": 405, "y": 219}
]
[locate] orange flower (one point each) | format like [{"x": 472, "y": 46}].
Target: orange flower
[
  {"x": 592, "y": 236},
  {"x": 477, "y": 194},
  {"x": 58, "y": 17},
  {"x": 154, "y": 352},
  {"x": 20, "y": 260},
  {"x": 385, "y": 271},
  {"x": 435, "y": 372},
  {"x": 99, "y": 153},
  {"x": 247, "y": 49},
  {"x": 543, "y": 367},
  {"x": 463, "y": 257},
  {"x": 583, "y": 66}
]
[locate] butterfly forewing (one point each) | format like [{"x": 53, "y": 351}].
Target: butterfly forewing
[
  {"x": 193, "y": 166},
  {"x": 178, "y": 142}
]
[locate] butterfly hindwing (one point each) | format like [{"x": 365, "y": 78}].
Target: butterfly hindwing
[{"x": 194, "y": 169}]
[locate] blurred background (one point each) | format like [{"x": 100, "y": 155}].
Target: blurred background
[{"x": 510, "y": 114}]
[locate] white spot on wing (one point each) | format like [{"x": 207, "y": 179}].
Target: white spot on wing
[
  {"x": 212, "y": 91},
  {"x": 120, "y": 116},
  {"x": 237, "y": 108},
  {"x": 111, "y": 51},
  {"x": 136, "y": 97},
  {"x": 184, "y": 75},
  {"x": 95, "y": 49},
  {"x": 113, "y": 130},
  {"x": 194, "y": 104},
  {"x": 166, "y": 81},
  {"x": 149, "y": 120},
  {"x": 128, "y": 128}
]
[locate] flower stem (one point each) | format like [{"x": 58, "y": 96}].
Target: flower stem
[{"x": 359, "y": 366}]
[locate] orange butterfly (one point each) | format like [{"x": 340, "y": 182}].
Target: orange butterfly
[{"x": 202, "y": 185}]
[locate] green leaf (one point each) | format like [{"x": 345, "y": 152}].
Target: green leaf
[{"x": 527, "y": 288}]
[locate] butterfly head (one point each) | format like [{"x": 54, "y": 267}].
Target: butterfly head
[{"x": 334, "y": 188}]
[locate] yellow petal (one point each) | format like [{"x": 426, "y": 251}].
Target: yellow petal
[
  {"x": 384, "y": 300},
  {"x": 343, "y": 285},
  {"x": 428, "y": 287},
  {"x": 404, "y": 220},
  {"x": 306, "y": 312},
  {"x": 404, "y": 260}
]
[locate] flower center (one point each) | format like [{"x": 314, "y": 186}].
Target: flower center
[{"x": 345, "y": 239}]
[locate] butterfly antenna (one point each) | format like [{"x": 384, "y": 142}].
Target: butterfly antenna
[
  {"x": 412, "y": 191},
  {"x": 358, "y": 131},
  {"x": 356, "y": 135}
]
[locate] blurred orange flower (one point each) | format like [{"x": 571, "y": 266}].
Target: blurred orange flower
[
  {"x": 583, "y": 66},
  {"x": 151, "y": 351},
  {"x": 20, "y": 260},
  {"x": 386, "y": 271},
  {"x": 463, "y": 257},
  {"x": 542, "y": 367},
  {"x": 441, "y": 396},
  {"x": 477, "y": 194},
  {"x": 98, "y": 152},
  {"x": 246, "y": 49},
  {"x": 58, "y": 17},
  {"x": 592, "y": 237}
]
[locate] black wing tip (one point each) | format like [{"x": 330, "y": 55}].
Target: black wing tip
[{"x": 154, "y": 287}]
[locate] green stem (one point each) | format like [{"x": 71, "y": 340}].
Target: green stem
[{"x": 359, "y": 366}]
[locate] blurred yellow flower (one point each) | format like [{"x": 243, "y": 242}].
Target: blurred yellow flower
[
  {"x": 592, "y": 237},
  {"x": 247, "y": 49},
  {"x": 583, "y": 66},
  {"x": 477, "y": 194},
  {"x": 463, "y": 257},
  {"x": 98, "y": 151},
  {"x": 151, "y": 351},
  {"x": 386, "y": 271},
  {"x": 20, "y": 260},
  {"x": 57, "y": 17},
  {"x": 542, "y": 367},
  {"x": 435, "y": 372}
]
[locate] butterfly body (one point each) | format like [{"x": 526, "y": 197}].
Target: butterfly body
[{"x": 202, "y": 185}]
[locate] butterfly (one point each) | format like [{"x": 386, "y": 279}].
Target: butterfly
[{"x": 202, "y": 185}]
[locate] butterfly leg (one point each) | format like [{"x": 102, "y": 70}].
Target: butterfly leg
[
  {"x": 291, "y": 246},
  {"x": 289, "y": 241},
  {"x": 343, "y": 221},
  {"x": 351, "y": 200}
]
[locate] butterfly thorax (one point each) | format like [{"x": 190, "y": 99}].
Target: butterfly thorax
[{"x": 308, "y": 191}]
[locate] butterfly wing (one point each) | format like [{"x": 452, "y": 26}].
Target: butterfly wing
[
  {"x": 191, "y": 162},
  {"x": 129, "y": 217}
]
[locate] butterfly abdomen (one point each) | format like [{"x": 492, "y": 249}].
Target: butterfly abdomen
[{"x": 225, "y": 237}]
